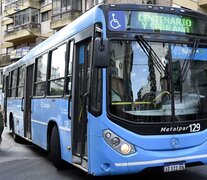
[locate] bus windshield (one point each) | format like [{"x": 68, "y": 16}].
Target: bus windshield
[{"x": 145, "y": 89}]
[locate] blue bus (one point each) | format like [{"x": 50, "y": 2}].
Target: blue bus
[{"x": 121, "y": 89}]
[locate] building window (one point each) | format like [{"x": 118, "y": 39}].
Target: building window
[
  {"x": 57, "y": 71},
  {"x": 26, "y": 16},
  {"x": 40, "y": 75},
  {"x": 45, "y": 16},
  {"x": 76, "y": 5},
  {"x": 61, "y": 7},
  {"x": 56, "y": 6},
  {"x": 66, "y": 5},
  {"x": 45, "y": 2},
  {"x": 9, "y": 50},
  {"x": 35, "y": 16}
]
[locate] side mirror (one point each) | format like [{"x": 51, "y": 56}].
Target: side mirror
[{"x": 101, "y": 53}]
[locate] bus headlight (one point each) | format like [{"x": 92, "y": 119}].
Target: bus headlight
[
  {"x": 115, "y": 141},
  {"x": 118, "y": 143},
  {"x": 125, "y": 148}
]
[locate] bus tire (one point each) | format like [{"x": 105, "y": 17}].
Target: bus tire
[
  {"x": 16, "y": 138},
  {"x": 55, "y": 151}
]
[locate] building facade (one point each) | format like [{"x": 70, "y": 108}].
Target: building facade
[
  {"x": 197, "y": 5},
  {"x": 26, "y": 23}
]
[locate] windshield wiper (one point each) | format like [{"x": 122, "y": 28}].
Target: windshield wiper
[
  {"x": 159, "y": 65},
  {"x": 152, "y": 55},
  {"x": 187, "y": 62}
]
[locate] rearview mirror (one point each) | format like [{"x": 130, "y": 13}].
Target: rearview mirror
[{"x": 101, "y": 58}]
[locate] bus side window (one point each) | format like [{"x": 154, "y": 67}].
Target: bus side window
[
  {"x": 20, "y": 82},
  {"x": 13, "y": 84},
  {"x": 40, "y": 75},
  {"x": 57, "y": 71}
]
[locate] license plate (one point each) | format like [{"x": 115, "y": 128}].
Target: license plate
[{"x": 177, "y": 166}]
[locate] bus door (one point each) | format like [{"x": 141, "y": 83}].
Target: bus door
[
  {"x": 27, "y": 102},
  {"x": 80, "y": 93}
]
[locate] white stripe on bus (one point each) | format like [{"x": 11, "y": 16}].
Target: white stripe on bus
[
  {"x": 64, "y": 128},
  {"x": 18, "y": 117},
  {"x": 161, "y": 160},
  {"x": 39, "y": 122}
]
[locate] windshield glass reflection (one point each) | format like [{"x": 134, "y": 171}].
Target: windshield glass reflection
[{"x": 159, "y": 81}]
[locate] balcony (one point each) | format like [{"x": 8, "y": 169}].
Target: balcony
[
  {"x": 22, "y": 33},
  {"x": 6, "y": 21},
  {"x": 202, "y": 3},
  {"x": 45, "y": 8},
  {"x": 62, "y": 19},
  {"x": 6, "y": 45},
  {"x": 20, "y": 5}
]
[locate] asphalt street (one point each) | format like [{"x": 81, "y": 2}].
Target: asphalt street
[{"x": 26, "y": 161}]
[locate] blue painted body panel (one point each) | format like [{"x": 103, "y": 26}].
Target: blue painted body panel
[
  {"x": 51, "y": 109},
  {"x": 14, "y": 108}
]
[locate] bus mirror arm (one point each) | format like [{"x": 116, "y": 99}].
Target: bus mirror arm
[
  {"x": 22, "y": 108},
  {"x": 69, "y": 101},
  {"x": 101, "y": 58}
]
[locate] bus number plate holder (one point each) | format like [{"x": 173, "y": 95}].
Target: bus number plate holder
[{"x": 175, "y": 166}]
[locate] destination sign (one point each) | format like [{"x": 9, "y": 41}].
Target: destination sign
[
  {"x": 156, "y": 22},
  {"x": 165, "y": 22}
]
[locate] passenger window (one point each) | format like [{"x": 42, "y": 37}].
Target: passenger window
[
  {"x": 40, "y": 75},
  {"x": 57, "y": 71},
  {"x": 20, "y": 83},
  {"x": 13, "y": 83}
]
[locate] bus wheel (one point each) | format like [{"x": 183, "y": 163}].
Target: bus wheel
[
  {"x": 55, "y": 151},
  {"x": 16, "y": 138}
]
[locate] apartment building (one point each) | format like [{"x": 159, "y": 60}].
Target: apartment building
[
  {"x": 25, "y": 23},
  {"x": 197, "y": 5}
]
